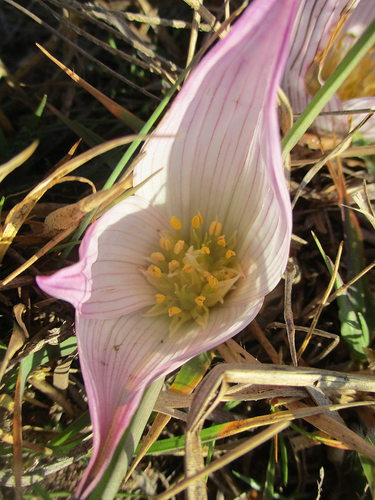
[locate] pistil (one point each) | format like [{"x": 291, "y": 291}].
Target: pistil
[{"x": 192, "y": 276}]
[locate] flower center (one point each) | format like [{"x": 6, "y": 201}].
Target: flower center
[
  {"x": 192, "y": 276},
  {"x": 360, "y": 82}
]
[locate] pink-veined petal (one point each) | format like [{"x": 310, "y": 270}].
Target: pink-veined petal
[
  {"x": 106, "y": 282},
  {"x": 121, "y": 357},
  {"x": 215, "y": 116},
  {"x": 225, "y": 162},
  {"x": 368, "y": 129},
  {"x": 311, "y": 33},
  {"x": 314, "y": 25}
]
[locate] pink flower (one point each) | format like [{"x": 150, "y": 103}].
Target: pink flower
[
  {"x": 149, "y": 294},
  {"x": 315, "y": 24}
]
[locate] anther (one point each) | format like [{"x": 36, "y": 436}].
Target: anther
[
  {"x": 212, "y": 281},
  {"x": 173, "y": 311},
  {"x": 221, "y": 240},
  {"x": 156, "y": 271},
  {"x": 215, "y": 228},
  {"x": 230, "y": 254},
  {"x": 173, "y": 265},
  {"x": 178, "y": 246},
  {"x": 197, "y": 221},
  {"x": 160, "y": 298},
  {"x": 165, "y": 243},
  {"x": 157, "y": 257},
  {"x": 187, "y": 268},
  {"x": 199, "y": 300},
  {"x": 175, "y": 223},
  {"x": 205, "y": 250}
]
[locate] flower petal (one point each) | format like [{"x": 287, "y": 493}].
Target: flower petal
[
  {"x": 312, "y": 31},
  {"x": 215, "y": 116},
  {"x": 368, "y": 130},
  {"x": 106, "y": 282},
  {"x": 121, "y": 357}
]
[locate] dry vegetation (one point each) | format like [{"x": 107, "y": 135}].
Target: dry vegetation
[{"x": 130, "y": 52}]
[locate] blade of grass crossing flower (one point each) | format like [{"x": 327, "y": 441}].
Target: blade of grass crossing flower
[
  {"x": 353, "y": 329},
  {"x": 147, "y": 127},
  {"x": 133, "y": 147},
  {"x": 108, "y": 486},
  {"x": 358, "y": 51}
]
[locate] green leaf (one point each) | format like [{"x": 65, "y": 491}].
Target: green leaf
[{"x": 354, "y": 329}]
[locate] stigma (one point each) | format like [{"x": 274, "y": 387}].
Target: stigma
[{"x": 192, "y": 275}]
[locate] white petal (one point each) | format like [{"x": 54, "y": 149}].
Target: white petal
[
  {"x": 121, "y": 357},
  {"x": 106, "y": 282},
  {"x": 215, "y": 116}
]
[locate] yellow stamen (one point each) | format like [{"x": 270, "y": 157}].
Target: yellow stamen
[
  {"x": 212, "y": 281},
  {"x": 187, "y": 268},
  {"x": 175, "y": 223},
  {"x": 165, "y": 243},
  {"x": 173, "y": 265},
  {"x": 221, "y": 240},
  {"x": 173, "y": 311},
  {"x": 197, "y": 221},
  {"x": 156, "y": 271},
  {"x": 194, "y": 274},
  {"x": 157, "y": 257},
  {"x": 199, "y": 300},
  {"x": 228, "y": 276},
  {"x": 215, "y": 228},
  {"x": 179, "y": 246}
]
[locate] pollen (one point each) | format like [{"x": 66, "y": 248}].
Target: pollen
[
  {"x": 197, "y": 221},
  {"x": 156, "y": 271},
  {"x": 172, "y": 311},
  {"x": 175, "y": 223},
  {"x": 179, "y": 247},
  {"x": 221, "y": 240},
  {"x": 192, "y": 271},
  {"x": 157, "y": 257},
  {"x": 215, "y": 228},
  {"x": 165, "y": 243},
  {"x": 173, "y": 265},
  {"x": 199, "y": 300},
  {"x": 213, "y": 281}
]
